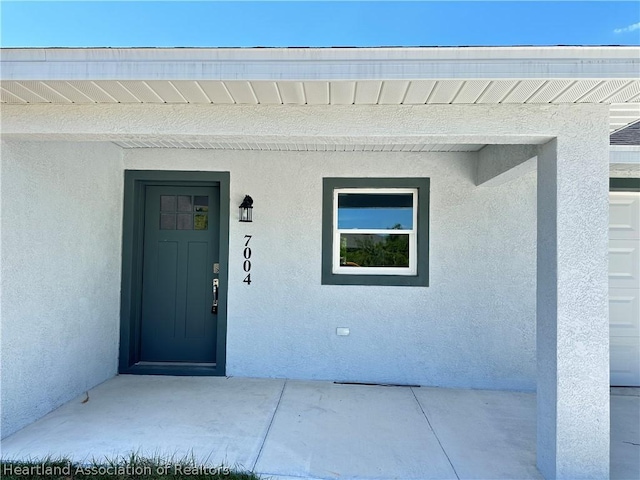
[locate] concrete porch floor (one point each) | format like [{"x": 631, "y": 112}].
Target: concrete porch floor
[{"x": 285, "y": 429}]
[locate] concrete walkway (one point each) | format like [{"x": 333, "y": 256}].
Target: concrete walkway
[{"x": 318, "y": 430}]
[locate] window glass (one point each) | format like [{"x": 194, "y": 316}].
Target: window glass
[
  {"x": 167, "y": 203},
  {"x": 201, "y": 221},
  {"x": 201, "y": 203},
  {"x": 184, "y": 203},
  {"x": 374, "y": 250},
  {"x": 185, "y": 221},
  {"x": 167, "y": 221},
  {"x": 375, "y": 211}
]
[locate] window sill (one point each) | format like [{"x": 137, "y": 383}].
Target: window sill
[{"x": 329, "y": 278}]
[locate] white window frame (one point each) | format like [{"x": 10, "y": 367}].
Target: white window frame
[{"x": 412, "y": 269}]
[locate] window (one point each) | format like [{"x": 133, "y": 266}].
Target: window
[
  {"x": 375, "y": 231},
  {"x": 182, "y": 210}
]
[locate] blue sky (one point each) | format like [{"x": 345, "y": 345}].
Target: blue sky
[{"x": 317, "y": 24}]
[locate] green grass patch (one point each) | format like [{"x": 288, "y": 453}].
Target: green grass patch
[{"x": 133, "y": 467}]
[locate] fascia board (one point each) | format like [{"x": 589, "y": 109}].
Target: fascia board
[{"x": 324, "y": 64}]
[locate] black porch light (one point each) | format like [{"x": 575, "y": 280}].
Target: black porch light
[{"x": 245, "y": 209}]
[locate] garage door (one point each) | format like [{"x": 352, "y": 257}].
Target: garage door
[{"x": 624, "y": 287}]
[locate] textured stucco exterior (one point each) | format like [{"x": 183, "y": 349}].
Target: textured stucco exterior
[
  {"x": 452, "y": 333},
  {"x": 475, "y": 325},
  {"x": 498, "y": 164},
  {"x": 572, "y": 305},
  {"x": 273, "y": 124},
  {"x": 60, "y": 252}
]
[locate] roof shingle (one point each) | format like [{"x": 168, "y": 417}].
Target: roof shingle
[{"x": 627, "y": 136}]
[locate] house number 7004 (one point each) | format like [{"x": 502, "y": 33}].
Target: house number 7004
[{"x": 246, "y": 265}]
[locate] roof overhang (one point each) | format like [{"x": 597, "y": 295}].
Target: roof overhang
[
  {"x": 324, "y": 64},
  {"x": 327, "y": 76}
]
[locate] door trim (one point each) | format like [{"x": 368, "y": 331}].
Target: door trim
[{"x": 135, "y": 182}]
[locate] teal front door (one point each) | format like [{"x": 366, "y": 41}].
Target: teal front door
[{"x": 180, "y": 251}]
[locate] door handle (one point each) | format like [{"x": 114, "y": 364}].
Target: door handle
[{"x": 214, "y": 305}]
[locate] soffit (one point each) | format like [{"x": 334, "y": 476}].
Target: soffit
[
  {"x": 622, "y": 95},
  {"x": 299, "y": 146},
  {"x": 329, "y": 76}
]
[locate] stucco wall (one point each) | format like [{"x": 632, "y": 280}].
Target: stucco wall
[
  {"x": 61, "y": 243},
  {"x": 474, "y": 326}
]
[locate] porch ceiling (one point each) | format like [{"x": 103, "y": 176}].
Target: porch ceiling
[{"x": 316, "y": 76}]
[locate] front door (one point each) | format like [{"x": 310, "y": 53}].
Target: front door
[{"x": 180, "y": 251}]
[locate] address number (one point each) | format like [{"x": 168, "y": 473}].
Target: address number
[{"x": 246, "y": 265}]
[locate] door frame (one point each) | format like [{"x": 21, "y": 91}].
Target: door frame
[{"x": 135, "y": 182}]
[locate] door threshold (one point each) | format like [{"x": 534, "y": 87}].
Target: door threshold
[
  {"x": 175, "y": 364},
  {"x": 173, "y": 368}
]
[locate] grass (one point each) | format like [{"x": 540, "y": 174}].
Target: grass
[{"x": 133, "y": 467}]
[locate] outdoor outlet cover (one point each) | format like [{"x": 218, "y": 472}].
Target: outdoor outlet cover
[{"x": 342, "y": 331}]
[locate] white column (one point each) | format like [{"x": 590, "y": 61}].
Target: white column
[{"x": 572, "y": 306}]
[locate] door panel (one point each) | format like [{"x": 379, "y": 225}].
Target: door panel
[
  {"x": 624, "y": 215},
  {"x": 624, "y": 263},
  {"x": 197, "y": 319},
  {"x": 624, "y": 312},
  {"x": 180, "y": 248}
]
